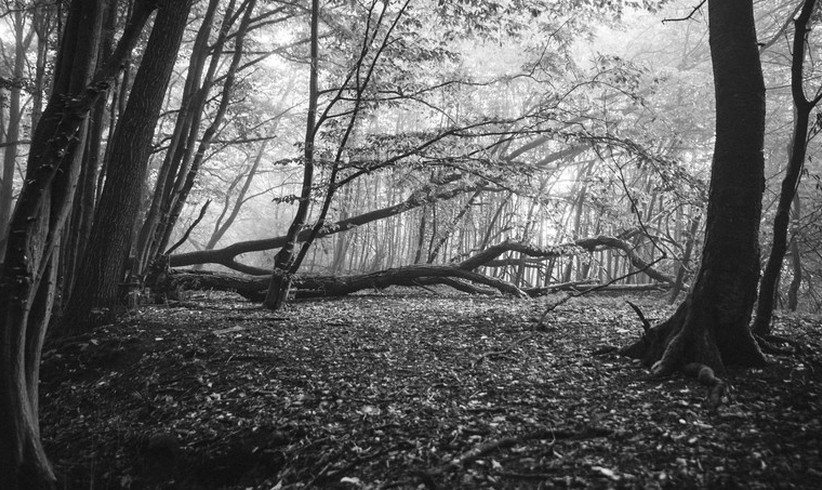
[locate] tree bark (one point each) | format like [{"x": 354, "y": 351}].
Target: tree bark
[
  {"x": 803, "y": 108},
  {"x": 253, "y": 288},
  {"x": 711, "y": 327},
  {"x": 178, "y": 156},
  {"x": 282, "y": 273},
  {"x": 27, "y": 277},
  {"x": 101, "y": 273}
]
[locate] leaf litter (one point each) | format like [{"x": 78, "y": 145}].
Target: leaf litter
[{"x": 408, "y": 389}]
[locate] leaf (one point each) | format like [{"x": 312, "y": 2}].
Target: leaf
[
  {"x": 605, "y": 472},
  {"x": 352, "y": 480}
]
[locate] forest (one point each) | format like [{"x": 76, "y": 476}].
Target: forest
[{"x": 379, "y": 244}]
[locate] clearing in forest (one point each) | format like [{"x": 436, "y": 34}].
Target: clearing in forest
[{"x": 416, "y": 390}]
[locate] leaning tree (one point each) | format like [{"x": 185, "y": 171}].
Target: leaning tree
[
  {"x": 28, "y": 272},
  {"x": 710, "y": 329}
]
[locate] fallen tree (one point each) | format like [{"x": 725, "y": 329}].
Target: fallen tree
[
  {"x": 462, "y": 276},
  {"x": 227, "y": 256}
]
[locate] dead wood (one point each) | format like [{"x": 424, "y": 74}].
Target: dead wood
[
  {"x": 461, "y": 276},
  {"x": 253, "y": 288},
  {"x": 227, "y": 256}
]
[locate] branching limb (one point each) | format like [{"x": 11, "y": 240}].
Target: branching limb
[
  {"x": 190, "y": 229},
  {"x": 687, "y": 17}
]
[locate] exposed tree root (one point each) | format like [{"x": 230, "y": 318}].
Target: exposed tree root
[
  {"x": 678, "y": 345},
  {"x": 768, "y": 346}
]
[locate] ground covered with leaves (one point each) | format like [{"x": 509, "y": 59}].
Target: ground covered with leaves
[{"x": 416, "y": 390}]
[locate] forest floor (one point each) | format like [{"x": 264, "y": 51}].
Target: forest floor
[{"x": 416, "y": 390}]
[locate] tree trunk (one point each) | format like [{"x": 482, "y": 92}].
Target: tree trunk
[
  {"x": 711, "y": 327},
  {"x": 281, "y": 276},
  {"x": 224, "y": 223},
  {"x": 175, "y": 163},
  {"x": 686, "y": 258},
  {"x": 183, "y": 185},
  {"x": 99, "y": 279},
  {"x": 12, "y": 129},
  {"x": 796, "y": 258},
  {"x": 803, "y": 107},
  {"x": 27, "y": 277}
]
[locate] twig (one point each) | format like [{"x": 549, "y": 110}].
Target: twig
[
  {"x": 687, "y": 17},
  {"x": 505, "y": 442},
  {"x": 646, "y": 325},
  {"x": 500, "y": 352}
]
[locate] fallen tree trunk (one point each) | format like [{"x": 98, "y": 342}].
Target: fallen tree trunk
[
  {"x": 583, "y": 286},
  {"x": 254, "y": 288},
  {"x": 461, "y": 276},
  {"x": 227, "y": 256}
]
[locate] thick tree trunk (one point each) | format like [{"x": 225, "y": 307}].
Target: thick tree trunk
[
  {"x": 100, "y": 275},
  {"x": 711, "y": 328},
  {"x": 796, "y": 259},
  {"x": 27, "y": 278}
]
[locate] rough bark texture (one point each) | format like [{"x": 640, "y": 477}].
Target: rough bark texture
[
  {"x": 27, "y": 278},
  {"x": 711, "y": 327},
  {"x": 178, "y": 156},
  {"x": 101, "y": 271}
]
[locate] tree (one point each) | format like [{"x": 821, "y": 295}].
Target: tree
[
  {"x": 27, "y": 277},
  {"x": 11, "y": 131},
  {"x": 104, "y": 259},
  {"x": 284, "y": 262},
  {"x": 799, "y": 145},
  {"x": 710, "y": 329},
  {"x": 189, "y": 143}
]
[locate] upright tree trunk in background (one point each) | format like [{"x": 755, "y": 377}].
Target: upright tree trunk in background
[
  {"x": 15, "y": 116},
  {"x": 195, "y": 90},
  {"x": 185, "y": 182},
  {"x": 711, "y": 328},
  {"x": 690, "y": 241},
  {"x": 281, "y": 277},
  {"x": 796, "y": 258},
  {"x": 184, "y": 156},
  {"x": 26, "y": 280},
  {"x": 103, "y": 261},
  {"x": 803, "y": 108},
  {"x": 224, "y": 222}
]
